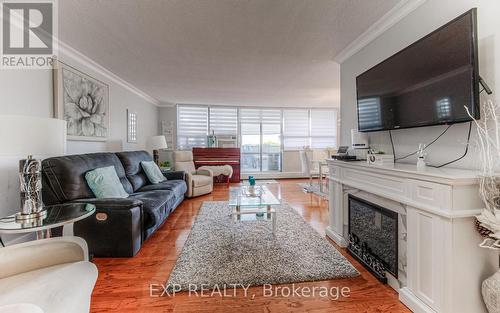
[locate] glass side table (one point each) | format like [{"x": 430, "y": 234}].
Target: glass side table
[{"x": 57, "y": 215}]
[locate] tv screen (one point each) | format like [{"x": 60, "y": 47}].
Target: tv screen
[{"x": 427, "y": 83}]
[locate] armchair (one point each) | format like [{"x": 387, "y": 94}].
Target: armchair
[
  {"x": 199, "y": 182},
  {"x": 37, "y": 272}
]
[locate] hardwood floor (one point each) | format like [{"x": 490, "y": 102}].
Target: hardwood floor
[{"x": 124, "y": 284}]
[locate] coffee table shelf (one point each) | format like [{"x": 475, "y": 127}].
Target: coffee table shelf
[{"x": 258, "y": 203}]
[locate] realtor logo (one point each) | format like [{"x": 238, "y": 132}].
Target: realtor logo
[{"x": 28, "y": 32}]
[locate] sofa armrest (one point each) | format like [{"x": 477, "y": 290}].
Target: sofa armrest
[
  {"x": 115, "y": 230},
  {"x": 33, "y": 255},
  {"x": 175, "y": 175},
  {"x": 205, "y": 172},
  {"x": 112, "y": 203}
]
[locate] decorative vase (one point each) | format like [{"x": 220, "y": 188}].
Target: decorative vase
[{"x": 490, "y": 290}]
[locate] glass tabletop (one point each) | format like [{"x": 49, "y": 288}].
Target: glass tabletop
[
  {"x": 57, "y": 215},
  {"x": 243, "y": 196}
]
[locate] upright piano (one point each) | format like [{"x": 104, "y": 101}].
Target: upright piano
[{"x": 219, "y": 156}]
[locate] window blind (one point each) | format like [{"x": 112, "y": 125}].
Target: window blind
[
  {"x": 295, "y": 129},
  {"x": 192, "y": 126},
  {"x": 223, "y": 121},
  {"x": 323, "y": 128}
]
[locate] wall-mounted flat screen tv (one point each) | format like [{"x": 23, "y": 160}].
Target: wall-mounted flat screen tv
[{"x": 428, "y": 83}]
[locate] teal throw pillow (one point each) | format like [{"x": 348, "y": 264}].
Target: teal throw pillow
[
  {"x": 153, "y": 172},
  {"x": 104, "y": 182}
]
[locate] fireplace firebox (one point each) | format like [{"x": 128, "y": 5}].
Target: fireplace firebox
[{"x": 373, "y": 237}]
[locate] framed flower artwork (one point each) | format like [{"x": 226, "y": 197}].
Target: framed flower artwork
[{"x": 83, "y": 102}]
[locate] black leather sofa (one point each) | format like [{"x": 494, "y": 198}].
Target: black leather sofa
[{"x": 124, "y": 223}]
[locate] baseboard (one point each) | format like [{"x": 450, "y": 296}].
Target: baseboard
[
  {"x": 416, "y": 305},
  {"x": 336, "y": 237},
  {"x": 275, "y": 175}
]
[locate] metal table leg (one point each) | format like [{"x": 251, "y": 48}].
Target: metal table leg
[
  {"x": 43, "y": 234},
  {"x": 320, "y": 177},
  {"x": 274, "y": 222}
]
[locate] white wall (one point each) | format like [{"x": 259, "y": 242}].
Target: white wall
[
  {"x": 29, "y": 92},
  {"x": 425, "y": 19},
  {"x": 168, "y": 114}
]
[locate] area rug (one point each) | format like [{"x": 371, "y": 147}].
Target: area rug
[
  {"x": 222, "y": 251},
  {"x": 314, "y": 188}
]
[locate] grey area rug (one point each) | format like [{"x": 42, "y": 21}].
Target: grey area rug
[
  {"x": 222, "y": 251},
  {"x": 315, "y": 189}
]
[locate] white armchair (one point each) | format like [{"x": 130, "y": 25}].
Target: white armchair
[
  {"x": 53, "y": 275},
  {"x": 199, "y": 182}
]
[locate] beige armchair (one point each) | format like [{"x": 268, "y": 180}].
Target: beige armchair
[
  {"x": 50, "y": 275},
  {"x": 199, "y": 182}
]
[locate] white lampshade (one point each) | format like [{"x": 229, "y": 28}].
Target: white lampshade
[
  {"x": 22, "y": 135},
  {"x": 157, "y": 143}
]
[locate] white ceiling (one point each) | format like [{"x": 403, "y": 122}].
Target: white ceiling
[{"x": 237, "y": 52}]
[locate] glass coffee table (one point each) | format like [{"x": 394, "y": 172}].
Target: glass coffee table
[{"x": 256, "y": 204}]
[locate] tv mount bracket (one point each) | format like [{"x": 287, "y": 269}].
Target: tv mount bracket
[{"x": 485, "y": 86}]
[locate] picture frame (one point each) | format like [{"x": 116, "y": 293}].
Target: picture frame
[
  {"x": 83, "y": 102},
  {"x": 132, "y": 125}
]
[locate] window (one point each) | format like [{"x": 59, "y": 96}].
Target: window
[
  {"x": 295, "y": 129},
  {"x": 192, "y": 126},
  {"x": 316, "y": 128},
  {"x": 260, "y": 139},
  {"x": 223, "y": 121},
  {"x": 263, "y": 133},
  {"x": 323, "y": 129}
]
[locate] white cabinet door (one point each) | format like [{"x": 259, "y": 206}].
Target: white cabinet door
[{"x": 426, "y": 257}]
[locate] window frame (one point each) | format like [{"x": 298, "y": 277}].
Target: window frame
[{"x": 283, "y": 136}]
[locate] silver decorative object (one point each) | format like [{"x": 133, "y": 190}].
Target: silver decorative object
[
  {"x": 491, "y": 293},
  {"x": 31, "y": 189}
]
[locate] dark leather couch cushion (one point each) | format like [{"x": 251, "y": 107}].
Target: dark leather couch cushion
[
  {"x": 179, "y": 187},
  {"x": 156, "y": 205},
  {"x": 64, "y": 177},
  {"x": 131, "y": 161}
]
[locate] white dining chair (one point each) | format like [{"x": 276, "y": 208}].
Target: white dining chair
[{"x": 305, "y": 164}]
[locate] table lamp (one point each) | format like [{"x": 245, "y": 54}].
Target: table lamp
[{"x": 156, "y": 143}]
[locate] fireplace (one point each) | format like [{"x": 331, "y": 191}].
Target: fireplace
[{"x": 373, "y": 237}]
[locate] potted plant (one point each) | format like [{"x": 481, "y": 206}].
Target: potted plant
[
  {"x": 165, "y": 166},
  {"x": 488, "y": 222}
]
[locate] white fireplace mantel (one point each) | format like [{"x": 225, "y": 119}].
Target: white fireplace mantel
[{"x": 445, "y": 266}]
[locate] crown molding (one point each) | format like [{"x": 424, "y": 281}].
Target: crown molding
[
  {"x": 388, "y": 20},
  {"x": 167, "y": 105},
  {"x": 69, "y": 51}
]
